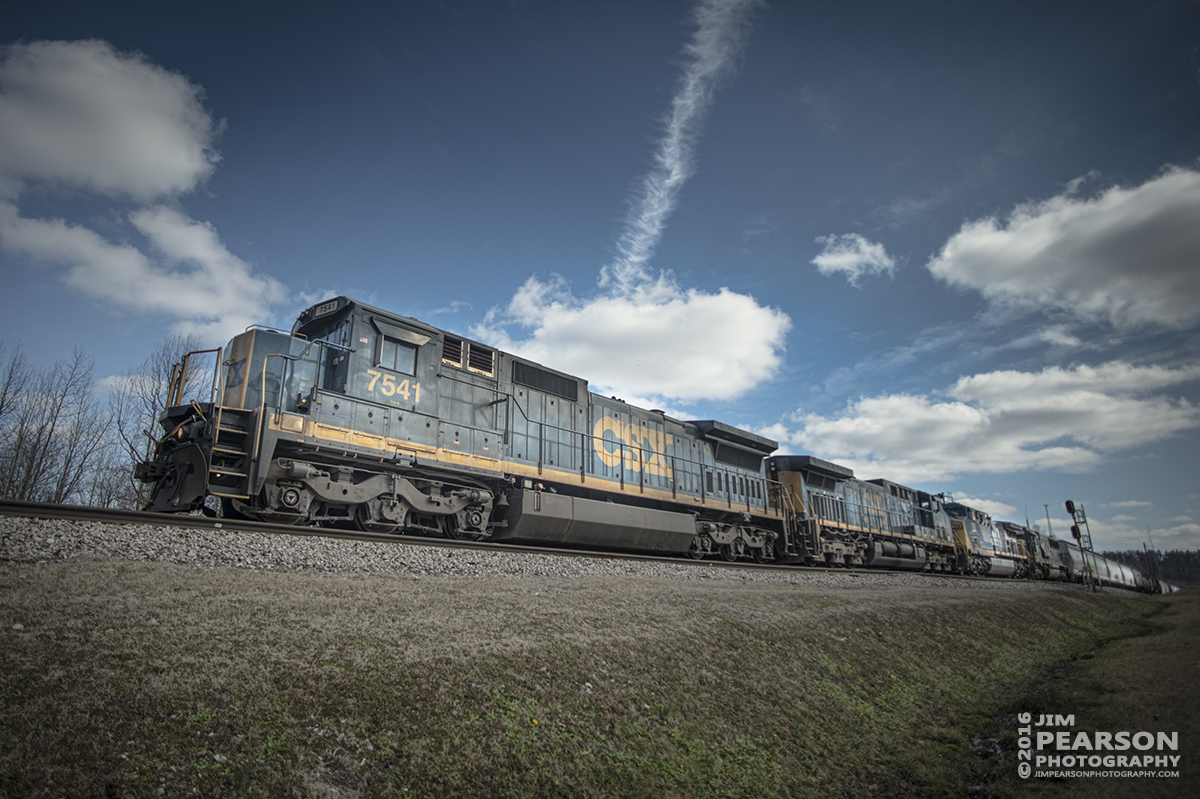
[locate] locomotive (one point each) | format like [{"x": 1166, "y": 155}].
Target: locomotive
[{"x": 361, "y": 417}]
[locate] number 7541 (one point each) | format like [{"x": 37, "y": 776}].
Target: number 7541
[{"x": 389, "y": 387}]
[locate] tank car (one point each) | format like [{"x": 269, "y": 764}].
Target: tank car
[
  {"x": 358, "y": 416},
  {"x": 1078, "y": 566}
]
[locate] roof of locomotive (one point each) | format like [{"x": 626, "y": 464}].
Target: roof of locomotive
[{"x": 339, "y": 306}]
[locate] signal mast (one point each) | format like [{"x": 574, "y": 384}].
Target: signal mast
[{"x": 1082, "y": 533}]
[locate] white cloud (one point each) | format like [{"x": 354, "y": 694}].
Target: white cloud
[
  {"x": 654, "y": 340},
  {"x": 1124, "y": 535},
  {"x": 853, "y": 256},
  {"x": 190, "y": 274},
  {"x": 644, "y": 337},
  {"x": 1001, "y": 422},
  {"x": 997, "y": 510},
  {"x": 1059, "y": 336},
  {"x": 1125, "y": 256},
  {"x": 1130, "y": 503},
  {"x": 454, "y": 307},
  {"x": 82, "y": 116}
]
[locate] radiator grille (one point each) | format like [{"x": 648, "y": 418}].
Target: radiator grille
[
  {"x": 480, "y": 358},
  {"x": 452, "y": 350},
  {"x": 529, "y": 375},
  {"x": 738, "y": 457}
]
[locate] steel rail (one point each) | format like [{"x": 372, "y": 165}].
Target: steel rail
[{"x": 45, "y": 510}]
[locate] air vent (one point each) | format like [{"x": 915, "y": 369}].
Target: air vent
[
  {"x": 526, "y": 374},
  {"x": 740, "y": 458},
  {"x": 452, "y": 350},
  {"x": 480, "y": 359}
]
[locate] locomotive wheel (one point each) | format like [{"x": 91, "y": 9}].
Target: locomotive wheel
[
  {"x": 364, "y": 520},
  {"x": 451, "y": 531},
  {"x": 727, "y": 553},
  {"x": 760, "y": 554},
  {"x": 228, "y": 511}
]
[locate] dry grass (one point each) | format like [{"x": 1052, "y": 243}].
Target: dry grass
[{"x": 132, "y": 677}]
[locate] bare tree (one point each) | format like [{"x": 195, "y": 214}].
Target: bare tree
[
  {"x": 110, "y": 482},
  {"x": 16, "y": 377},
  {"x": 57, "y": 444},
  {"x": 136, "y": 401},
  {"x": 50, "y": 429}
]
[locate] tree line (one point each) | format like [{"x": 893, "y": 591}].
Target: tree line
[
  {"x": 61, "y": 443},
  {"x": 1177, "y": 566}
]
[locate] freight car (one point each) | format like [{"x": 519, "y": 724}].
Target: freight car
[
  {"x": 1077, "y": 566},
  {"x": 358, "y": 416}
]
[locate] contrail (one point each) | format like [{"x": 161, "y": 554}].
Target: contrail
[{"x": 722, "y": 29}]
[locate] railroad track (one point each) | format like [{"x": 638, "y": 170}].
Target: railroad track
[{"x": 43, "y": 510}]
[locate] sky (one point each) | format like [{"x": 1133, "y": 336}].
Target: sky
[{"x": 954, "y": 244}]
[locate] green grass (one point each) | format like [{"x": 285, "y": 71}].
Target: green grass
[
  {"x": 131, "y": 677},
  {"x": 1145, "y": 675}
]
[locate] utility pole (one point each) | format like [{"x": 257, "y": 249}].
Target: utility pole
[
  {"x": 1083, "y": 534},
  {"x": 1152, "y": 564}
]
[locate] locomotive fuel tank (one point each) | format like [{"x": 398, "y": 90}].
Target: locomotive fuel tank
[{"x": 542, "y": 517}]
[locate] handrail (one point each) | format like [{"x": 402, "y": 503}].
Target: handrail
[
  {"x": 262, "y": 402},
  {"x": 642, "y": 454},
  {"x": 179, "y": 374},
  {"x": 751, "y": 503},
  {"x": 275, "y": 330}
]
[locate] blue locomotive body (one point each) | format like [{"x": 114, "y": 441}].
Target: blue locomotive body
[
  {"x": 843, "y": 521},
  {"x": 362, "y": 416}
]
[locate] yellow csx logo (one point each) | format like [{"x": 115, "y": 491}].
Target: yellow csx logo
[{"x": 641, "y": 448}]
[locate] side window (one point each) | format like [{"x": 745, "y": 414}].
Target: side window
[{"x": 397, "y": 356}]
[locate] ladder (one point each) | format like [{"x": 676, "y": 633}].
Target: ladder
[{"x": 229, "y": 463}]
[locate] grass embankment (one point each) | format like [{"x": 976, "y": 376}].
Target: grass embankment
[
  {"x": 1147, "y": 681},
  {"x": 127, "y": 678}
]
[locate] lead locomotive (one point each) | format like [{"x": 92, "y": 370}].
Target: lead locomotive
[{"x": 365, "y": 417}]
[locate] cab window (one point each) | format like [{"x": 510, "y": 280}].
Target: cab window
[{"x": 397, "y": 356}]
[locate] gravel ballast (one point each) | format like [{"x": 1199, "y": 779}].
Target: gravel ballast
[{"x": 35, "y": 540}]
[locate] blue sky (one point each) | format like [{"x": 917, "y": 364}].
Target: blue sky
[{"x": 955, "y": 244}]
